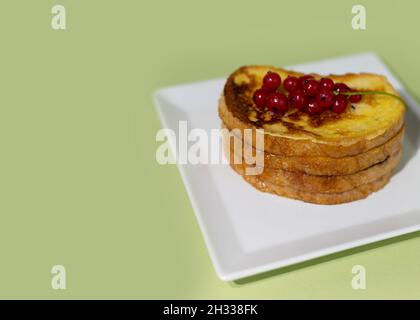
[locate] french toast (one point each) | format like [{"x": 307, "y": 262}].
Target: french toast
[
  {"x": 326, "y": 184},
  {"x": 326, "y": 140},
  {"x": 357, "y": 193},
  {"x": 371, "y": 122},
  {"x": 323, "y": 166}
]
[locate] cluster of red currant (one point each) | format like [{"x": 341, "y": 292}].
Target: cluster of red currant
[{"x": 303, "y": 93}]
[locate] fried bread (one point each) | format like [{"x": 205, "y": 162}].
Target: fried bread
[
  {"x": 325, "y": 184},
  {"x": 368, "y": 124},
  {"x": 327, "y": 140},
  {"x": 324, "y": 166},
  {"x": 357, "y": 193}
]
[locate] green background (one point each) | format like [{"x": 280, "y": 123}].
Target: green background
[{"x": 79, "y": 183}]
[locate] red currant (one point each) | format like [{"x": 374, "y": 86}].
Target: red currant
[
  {"x": 291, "y": 83},
  {"x": 311, "y": 87},
  {"x": 304, "y": 79},
  {"x": 327, "y": 84},
  {"x": 340, "y": 104},
  {"x": 355, "y": 98},
  {"x": 341, "y": 87},
  {"x": 325, "y": 98},
  {"x": 271, "y": 81},
  {"x": 277, "y": 102},
  {"x": 313, "y": 107},
  {"x": 260, "y": 97},
  {"x": 297, "y": 99}
]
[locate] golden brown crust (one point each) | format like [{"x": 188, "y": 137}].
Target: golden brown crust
[
  {"x": 358, "y": 193},
  {"x": 284, "y": 146},
  {"x": 326, "y": 184},
  {"x": 329, "y": 166}
]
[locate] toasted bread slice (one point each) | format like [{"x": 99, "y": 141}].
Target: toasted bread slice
[
  {"x": 326, "y": 184},
  {"x": 368, "y": 124},
  {"x": 357, "y": 193},
  {"x": 325, "y": 166}
]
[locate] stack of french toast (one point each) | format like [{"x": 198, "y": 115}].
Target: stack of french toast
[{"x": 319, "y": 147}]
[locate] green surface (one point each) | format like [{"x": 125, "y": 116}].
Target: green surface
[{"x": 79, "y": 183}]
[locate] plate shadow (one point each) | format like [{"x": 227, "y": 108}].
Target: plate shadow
[{"x": 330, "y": 257}]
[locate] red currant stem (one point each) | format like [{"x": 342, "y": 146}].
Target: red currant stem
[{"x": 356, "y": 93}]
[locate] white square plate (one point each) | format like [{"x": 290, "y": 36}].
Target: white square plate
[{"x": 249, "y": 232}]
